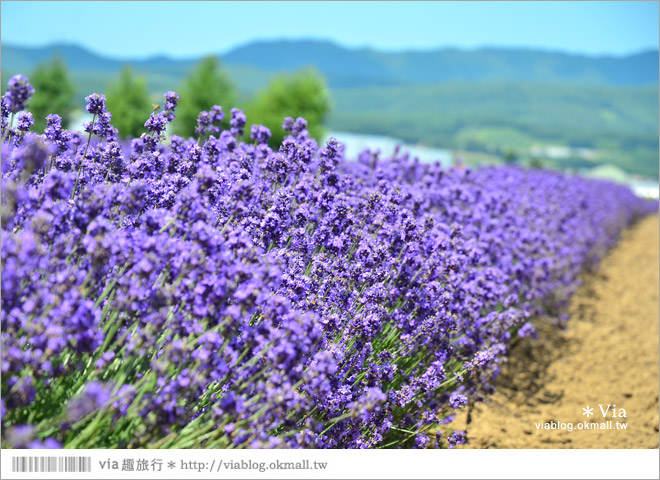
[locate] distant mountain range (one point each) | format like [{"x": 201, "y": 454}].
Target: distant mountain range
[
  {"x": 487, "y": 100},
  {"x": 345, "y": 68},
  {"x": 361, "y": 67}
]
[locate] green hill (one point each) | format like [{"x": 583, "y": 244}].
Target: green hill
[{"x": 620, "y": 122}]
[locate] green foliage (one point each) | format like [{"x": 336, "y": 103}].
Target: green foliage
[
  {"x": 206, "y": 86},
  {"x": 128, "y": 101},
  {"x": 510, "y": 156},
  {"x": 301, "y": 94},
  {"x": 620, "y": 122},
  {"x": 535, "y": 162},
  {"x": 53, "y": 93}
]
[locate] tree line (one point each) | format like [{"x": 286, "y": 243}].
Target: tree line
[{"x": 300, "y": 94}]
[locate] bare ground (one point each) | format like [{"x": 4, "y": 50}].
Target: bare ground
[{"x": 608, "y": 355}]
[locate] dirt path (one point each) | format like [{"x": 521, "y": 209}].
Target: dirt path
[{"x": 608, "y": 355}]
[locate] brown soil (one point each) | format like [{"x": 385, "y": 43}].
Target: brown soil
[{"x": 607, "y": 355}]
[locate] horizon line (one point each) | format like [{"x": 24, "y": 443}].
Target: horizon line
[{"x": 406, "y": 50}]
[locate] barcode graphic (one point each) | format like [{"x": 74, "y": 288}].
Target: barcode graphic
[{"x": 51, "y": 464}]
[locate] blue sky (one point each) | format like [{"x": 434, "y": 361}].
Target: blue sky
[{"x": 188, "y": 29}]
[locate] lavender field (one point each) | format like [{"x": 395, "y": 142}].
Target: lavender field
[{"x": 212, "y": 292}]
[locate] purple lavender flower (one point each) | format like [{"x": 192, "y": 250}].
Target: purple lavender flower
[
  {"x": 259, "y": 134},
  {"x": 24, "y": 121},
  {"x": 457, "y": 400},
  {"x": 105, "y": 359},
  {"x": 527, "y": 330},
  {"x": 288, "y": 124},
  {"x": 95, "y": 396},
  {"x": 156, "y": 123},
  {"x": 103, "y": 128},
  {"x": 369, "y": 404},
  {"x": 204, "y": 121},
  {"x": 18, "y": 94},
  {"x": 237, "y": 122},
  {"x": 31, "y": 156},
  {"x": 95, "y": 104},
  {"x": 20, "y": 436},
  {"x": 456, "y": 438},
  {"x": 171, "y": 100},
  {"x": 4, "y": 102},
  {"x": 48, "y": 443},
  {"x": 299, "y": 126},
  {"x": 217, "y": 115},
  {"x": 421, "y": 441},
  {"x": 53, "y": 129}
]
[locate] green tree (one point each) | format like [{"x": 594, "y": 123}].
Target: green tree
[
  {"x": 53, "y": 93},
  {"x": 128, "y": 101},
  {"x": 535, "y": 162},
  {"x": 510, "y": 156},
  {"x": 205, "y": 87},
  {"x": 301, "y": 94}
]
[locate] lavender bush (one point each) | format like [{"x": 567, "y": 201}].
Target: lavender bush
[{"x": 208, "y": 292}]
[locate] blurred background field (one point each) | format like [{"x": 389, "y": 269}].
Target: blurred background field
[{"x": 592, "y": 114}]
